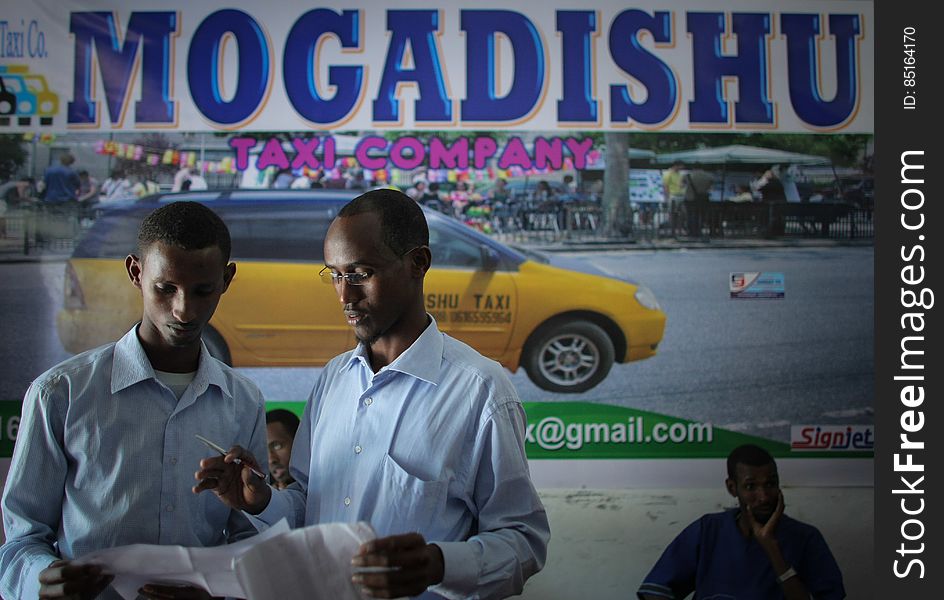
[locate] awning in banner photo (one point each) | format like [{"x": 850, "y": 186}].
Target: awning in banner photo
[
  {"x": 596, "y": 160},
  {"x": 737, "y": 154},
  {"x": 668, "y": 66}
]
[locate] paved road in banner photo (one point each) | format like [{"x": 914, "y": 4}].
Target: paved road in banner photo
[{"x": 754, "y": 366}]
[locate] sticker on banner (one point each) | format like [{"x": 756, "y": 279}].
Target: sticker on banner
[{"x": 756, "y": 285}]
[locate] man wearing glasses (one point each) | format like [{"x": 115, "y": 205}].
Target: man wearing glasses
[{"x": 413, "y": 431}]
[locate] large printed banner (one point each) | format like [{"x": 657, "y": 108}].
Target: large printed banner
[{"x": 662, "y": 66}]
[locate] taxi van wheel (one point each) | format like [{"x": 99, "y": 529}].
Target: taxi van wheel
[
  {"x": 217, "y": 345},
  {"x": 569, "y": 357}
]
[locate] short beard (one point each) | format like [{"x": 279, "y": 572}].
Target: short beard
[
  {"x": 367, "y": 341},
  {"x": 372, "y": 339}
]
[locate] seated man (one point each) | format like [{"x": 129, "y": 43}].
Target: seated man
[
  {"x": 88, "y": 189},
  {"x": 108, "y": 436},
  {"x": 753, "y": 551},
  {"x": 281, "y": 426}
]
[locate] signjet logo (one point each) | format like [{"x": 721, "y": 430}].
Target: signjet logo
[{"x": 832, "y": 437}]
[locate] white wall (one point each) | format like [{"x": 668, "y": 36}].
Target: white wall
[{"x": 604, "y": 541}]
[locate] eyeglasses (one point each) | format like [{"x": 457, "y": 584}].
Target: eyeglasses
[
  {"x": 330, "y": 276},
  {"x": 333, "y": 277}
]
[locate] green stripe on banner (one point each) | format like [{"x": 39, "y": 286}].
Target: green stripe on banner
[
  {"x": 587, "y": 430},
  {"x": 9, "y": 424},
  {"x": 583, "y": 430}
]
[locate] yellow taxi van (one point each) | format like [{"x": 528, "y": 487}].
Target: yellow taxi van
[{"x": 565, "y": 327}]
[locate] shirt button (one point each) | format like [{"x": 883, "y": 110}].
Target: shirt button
[
  {"x": 368, "y": 401},
  {"x": 173, "y": 460},
  {"x": 169, "y": 508},
  {"x": 357, "y": 449},
  {"x": 347, "y": 501}
]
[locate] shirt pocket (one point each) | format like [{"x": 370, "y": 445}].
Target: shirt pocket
[{"x": 406, "y": 503}]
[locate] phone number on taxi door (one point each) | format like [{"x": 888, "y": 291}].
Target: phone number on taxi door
[{"x": 475, "y": 316}]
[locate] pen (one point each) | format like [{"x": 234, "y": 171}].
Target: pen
[
  {"x": 366, "y": 570},
  {"x": 220, "y": 449}
]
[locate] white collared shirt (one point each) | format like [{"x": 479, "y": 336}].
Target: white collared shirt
[
  {"x": 105, "y": 456},
  {"x": 432, "y": 443}
]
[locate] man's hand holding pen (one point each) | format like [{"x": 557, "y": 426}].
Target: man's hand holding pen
[{"x": 232, "y": 479}]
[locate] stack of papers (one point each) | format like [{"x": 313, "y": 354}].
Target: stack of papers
[
  {"x": 309, "y": 563},
  {"x": 279, "y": 563}
]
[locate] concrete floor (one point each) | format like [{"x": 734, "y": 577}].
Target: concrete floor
[{"x": 604, "y": 541}]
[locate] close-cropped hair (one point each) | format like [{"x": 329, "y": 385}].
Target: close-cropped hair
[
  {"x": 185, "y": 225},
  {"x": 750, "y": 455},
  {"x": 401, "y": 218},
  {"x": 287, "y": 418}
]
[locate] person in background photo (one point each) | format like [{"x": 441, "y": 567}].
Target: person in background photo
[
  {"x": 570, "y": 185},
  {"x": 198, "y": 182},
  {"x": 283, "y": 179},
  {"x": 108, "y": 185},
  {"x": 302, "y": 182},
  {"x": 673, "y": 188},
  {"x": 281, "y": 426},
  {"x": 354, "y": 179},
  {"x": 61, "y": 182},
  {"x": 88, "y": 189},
  {"x": 107, "y": 437},
  {"x": 772, "y": 192},
  {"x": 697, "y": 185},
  {"x": 182, "y": 175},
  {"x": 15, "y": 194},
  {"x": 144, "y": 186},
  {"x": 672, "y": 185},
  {"x": 752, "y": 551},
  {"x": 18, "y": 192},
  {"x": 770, "y": 187},
  {"x": 543, "y": 192},
  {"x": 499, "y": 193},
  {"x": 432, "y": 198},
  {"x": 459, "y": 198},
  {"x": 116, "y": 188},
  {"x": 788, "y": 176},
  {"x": 417, "y": 191},
  {"x": 743, "y": 194}
]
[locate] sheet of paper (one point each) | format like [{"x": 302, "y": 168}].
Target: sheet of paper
[
  {"x": 312, "y": 563},
  {"x": 209, "y": 568}
]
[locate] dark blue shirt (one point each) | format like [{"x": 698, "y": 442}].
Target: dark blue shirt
[
  {"x": 62, "y": 184},
  {"x": 712, "y": 558}
]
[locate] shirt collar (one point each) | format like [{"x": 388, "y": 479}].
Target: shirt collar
[
  {"x": 422, "y": 360},
  {"x": 131, "y": 365}
]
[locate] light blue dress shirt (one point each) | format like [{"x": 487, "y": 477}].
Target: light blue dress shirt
[
  {"x": 105, "y": 456},
  {"x": 432, "y": 443}
]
